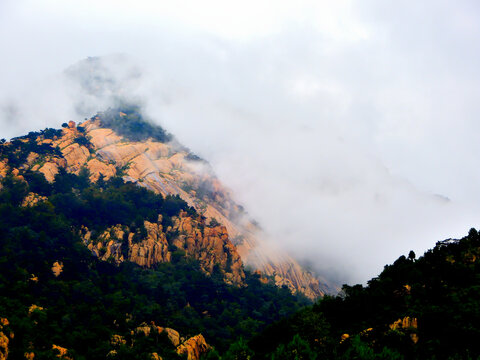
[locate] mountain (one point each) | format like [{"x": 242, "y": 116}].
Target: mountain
[
  {"x": 114, "y": 79},
  {"x": 94, "y": 266},
  {"x": 120, "y": 142},
  {"x": 117, "y": 242}
]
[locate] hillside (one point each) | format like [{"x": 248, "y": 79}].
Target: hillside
[
  {"x": 119, "y": 142},
  {"x": 68, "y": 291},
  {"x": 118, "y": 242},
  {"x": 425, "y": 308}
]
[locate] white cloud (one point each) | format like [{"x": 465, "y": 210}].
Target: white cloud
[{"x": 335, "y": 124}]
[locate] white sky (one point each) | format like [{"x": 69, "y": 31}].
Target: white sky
[{"x": 335, "y": 122}]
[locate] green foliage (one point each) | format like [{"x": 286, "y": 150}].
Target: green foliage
[
  {"x": 83, "y": 141},
  {"x": 16, "y": 152},
  {"x": 128, "y": 122},
  {"x": 311, "y": 324},
  {"x": 239, "y": 350},
  {"x": 50, "y": 133},
  {"x": 37, "y": 183},
  {"x": 13, "y": 192},
  {"x": 192, "y": 157},
  {"x": 297, "y": 349},
  {"x": 440, "y": 290},
  {"x": 214, "y": 222},
  {"x": 362, "y": 350},
  {"x": 115, "y": 202},
  {"x": 211, "y": 355},
  {"x": 92, "y": 300}
]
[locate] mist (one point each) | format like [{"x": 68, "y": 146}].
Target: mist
[{"x": 348, "y": 131}]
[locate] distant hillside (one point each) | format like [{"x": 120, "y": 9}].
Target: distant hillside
[{"x": 425, "y": 308}]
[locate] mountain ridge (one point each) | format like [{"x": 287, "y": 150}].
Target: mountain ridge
[
  {"x": 148, "y": 156},
  {"x": 58, "y": 294},
  {"x": 140, "y": 254}
]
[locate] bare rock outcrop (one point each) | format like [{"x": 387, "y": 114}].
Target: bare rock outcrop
[
  {"x": 76, "y": 157},
  {"x": 32, "y": 199},
  {"x": 49, "y": 170},
  {"x": 62, "y": 353},
  {"x": 165, "y": 169},
  {"x": 29, "y": 355},
  {"x": 153, "y": 249},
  {"x": 173, "y": 335},
  {"x": 407, "y": 325},
  {"x": 57, "y": 268},
  {"x": 194, "y": 347},
  {"x": 169, "y": 169},
  {"x": 209, "y": 245},
  {"x": 3, "y": 168},
  {"x": 3, "y": 346},
  {"x": 145, "y": 329},
  {"x": 5, "y": 336},
  {"x": 34, "y": 308},
  {"x": 98, "y": 168}
]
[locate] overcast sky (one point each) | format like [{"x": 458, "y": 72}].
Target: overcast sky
[{"x": 348, "y": 129}]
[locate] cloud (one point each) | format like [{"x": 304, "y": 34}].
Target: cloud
[{"x": 335, "y": 125}]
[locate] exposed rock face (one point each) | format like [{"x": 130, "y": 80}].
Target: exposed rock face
[
  {"x": 57, "y": 268},
  {"x": 32, "y": 199},
  {"x": 33, "y": 308},
  {"x": 194, "y": 347},
  {"x": 405, "y": 323},
  {"x": 164, "y": 169},
  {"x": 29, "y": 355},
  {"x": 209, "y": 245},
  {"x": 173, "y": 335},
  {"x": 3, "y": 169},
  {"x": 153, "y": 249},
  {"x": 344, "y": 337},
  {"x": 76, "y": 156},
  {"x": 4, "y": 340},
  {"x": 98, "y": 168},
  {"x": 117, "y": 340},
  {"x": 3, "y": 346},
  {"x": 49, "y": 170},
  {"x": 61, "y": 352},
  {"x": 170, "y": 170}
]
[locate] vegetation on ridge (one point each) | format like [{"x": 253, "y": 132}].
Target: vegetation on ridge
[
  {"x": 17, "y": 151},
  {"x": 425, "y": 308},
  {"x": 90, "y": 301},
  {"x": 54, "y": 291},
  {"x": 128, "y": 122}
]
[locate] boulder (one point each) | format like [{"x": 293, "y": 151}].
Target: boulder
[{"x": 194, "y": 347}]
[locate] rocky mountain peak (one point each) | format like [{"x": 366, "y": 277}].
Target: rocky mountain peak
[{"x": 120, "y": 142}]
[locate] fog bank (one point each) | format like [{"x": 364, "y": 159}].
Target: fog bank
[{"x": 347, "y": 132}]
